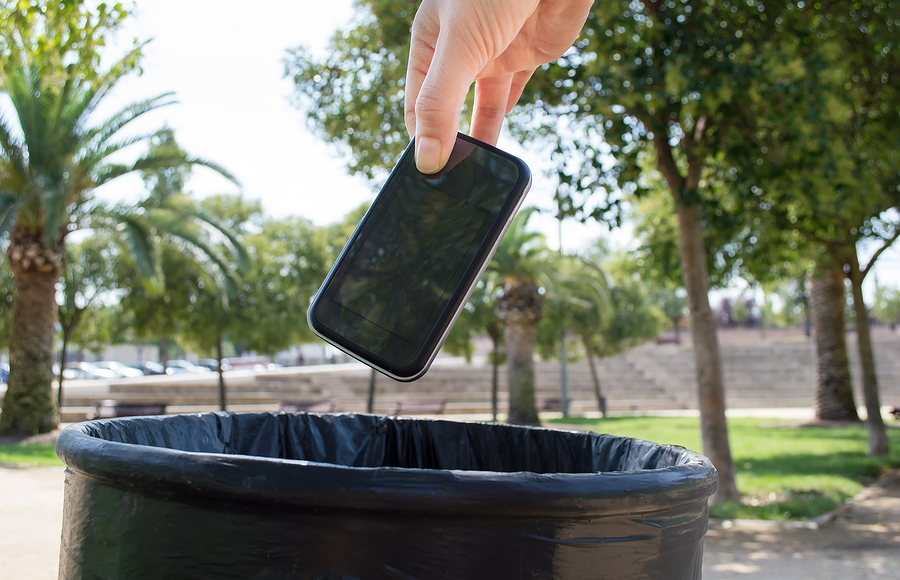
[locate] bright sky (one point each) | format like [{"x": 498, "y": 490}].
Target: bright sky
[{"x": 223, "y": 60}]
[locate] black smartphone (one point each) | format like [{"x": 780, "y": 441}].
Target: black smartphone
[{"x": 401, "y": 280}]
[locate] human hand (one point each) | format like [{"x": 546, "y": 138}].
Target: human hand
[{"x": 495, "y": 43}]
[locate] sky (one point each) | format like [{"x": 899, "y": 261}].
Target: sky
[{"x": 224, "y": 61}]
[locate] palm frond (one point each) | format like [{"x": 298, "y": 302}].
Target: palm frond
[
  {"x": 94, "y": 92},
  {"x": 189, "y": 211},
  {"x": 11, "y": 148},
  {"x": 54, "y": 202},
  {"x": 9, "y": 206},
  {"x": 137, "y": 238},
  {"x": 98, "y": 136}
]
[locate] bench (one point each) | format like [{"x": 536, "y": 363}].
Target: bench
[
  {"x": 668, "y": 340},
  {"x": 549, "y": 404},
  {"x": 895, "y": 412},
  {"x": 420, "y": 407},
  {"x": 307, "y": 406},
  {"x": 110, "y": 408}
]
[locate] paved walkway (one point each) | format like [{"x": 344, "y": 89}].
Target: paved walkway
[{"x": 861, "y": 542}]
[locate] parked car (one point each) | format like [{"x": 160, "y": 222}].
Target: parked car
[
  {"x": 213, "y": 365},
  {"x": 86, "y": 370},
  {"x": 4, "y": 373},
  {"x": 177, "y": 367},
  {"x": 120, "y": 369},
  {"x": 149, "y": 367}
]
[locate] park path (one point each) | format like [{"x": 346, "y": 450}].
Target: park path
[{"x": 861, "y": 542}]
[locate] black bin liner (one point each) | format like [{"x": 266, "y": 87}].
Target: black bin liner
[{"x": 329, "y": 497}]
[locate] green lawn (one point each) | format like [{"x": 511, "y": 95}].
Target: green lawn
[
  {"x": 31, "y": 454},
  {"x": 784, "y": 471}
]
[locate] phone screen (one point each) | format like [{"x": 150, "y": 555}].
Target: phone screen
[{"x": 405, "y": 273}]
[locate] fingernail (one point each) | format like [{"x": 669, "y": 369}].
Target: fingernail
[{"x": 428, "y": 155}]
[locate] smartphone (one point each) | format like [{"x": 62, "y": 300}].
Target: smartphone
[{"x": 406, "y": 272}]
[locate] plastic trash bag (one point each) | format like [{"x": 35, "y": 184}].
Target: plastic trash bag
[{"x": 305, "y": 496}]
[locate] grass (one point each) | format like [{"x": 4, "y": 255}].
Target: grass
[
  {"x": 784, "y": 471},
  {"x": 30, "y": 454}
]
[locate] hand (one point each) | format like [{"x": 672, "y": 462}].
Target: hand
[{"x": 495, "y": 43}]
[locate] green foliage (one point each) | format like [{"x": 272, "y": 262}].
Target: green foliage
[
  {"x": 354, "y": 96},
  {"x": 522, "y": 255},
  {"x": 7, "y": 290},
  {"x": 886, "y": 306},
  {"x": 85, "y": 316},
  {"x": 786, "y": 472},
  {"x": 266, "y": 310},
  {"x": 59, "y": 34}
]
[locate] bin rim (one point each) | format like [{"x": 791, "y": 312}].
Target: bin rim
[{"x": 252, "y": 478}]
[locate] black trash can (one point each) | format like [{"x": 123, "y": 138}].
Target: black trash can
[{"x": 345, "y": 497}]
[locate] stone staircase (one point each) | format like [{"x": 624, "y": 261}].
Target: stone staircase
[{"x": 758, "y": 374}]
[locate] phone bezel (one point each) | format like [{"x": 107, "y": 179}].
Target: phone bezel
[{"x": 437, "y": 334}]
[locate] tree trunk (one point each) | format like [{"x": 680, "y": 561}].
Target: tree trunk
[
  {"x": 370, "y": 399},
  {"x": 520, "y": 308},
  {"x": 563, "y": 376},
  {"x": 29, "y": 406},
  {"x": 878, "y": 441},
  {"x": 710, "y": 384},
  {"x": 834, "y": 389},
  {"x": 62, "y": 366},
  {"x": 495, "y": 381},
  {"x": 495, "y": 332},
  {"x": 223, "y": 403},
  {"x": 520, "y": 339},
  {"x": 164, "y": 351},
  {"x": 601, "y": 400}
]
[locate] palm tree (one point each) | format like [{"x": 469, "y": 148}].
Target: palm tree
[
  {"x": 582, "y": 293},
  {"x": 520, "y": 262},
  {"x": 52, "y": 156}
]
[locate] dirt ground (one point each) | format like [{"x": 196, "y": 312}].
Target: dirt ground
[{"x": 861, "y": 540}]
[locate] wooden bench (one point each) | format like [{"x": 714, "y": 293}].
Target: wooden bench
[
  {"x": 420, "y": 407},
  {"x": 110, "y": 408},
  {"x": 549, "y": 404},
  {"x": 668, "y": 340},
  {"x": 307, "y": 406}
]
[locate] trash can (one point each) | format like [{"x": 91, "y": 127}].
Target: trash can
[{"x": 364, "y": 497}]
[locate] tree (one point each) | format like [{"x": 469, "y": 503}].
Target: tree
[
  {"x": 520, "y": 261},
  {"x": 53, "y": 154},
  {"x": 86, "y": 280},
  {"x": 662, "y": 80},
  {"x": 265, "y": 311},
  {"x": 823, "y": 144}
]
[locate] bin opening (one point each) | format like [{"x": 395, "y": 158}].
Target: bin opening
[{"x": 355, "y": 440}]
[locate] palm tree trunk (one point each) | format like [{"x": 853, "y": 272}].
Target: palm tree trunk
[
  {"x": 834, "y": 389},
  {"x": 878, "y": 441},
  {"x": 601, "y": 400},
  {"x": 29, "y": 406},
  {"x": 520, "y": 340},
  {"x": 710, "y": 382}
]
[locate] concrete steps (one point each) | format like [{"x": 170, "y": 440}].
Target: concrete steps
[{"x": 649, "y": 378}]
